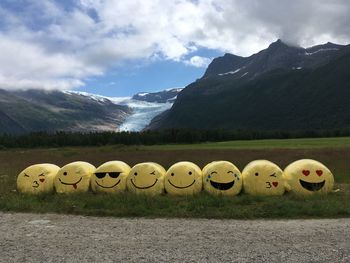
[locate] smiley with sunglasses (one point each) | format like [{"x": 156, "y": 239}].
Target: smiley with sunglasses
[{"x": 110, "y": 177}]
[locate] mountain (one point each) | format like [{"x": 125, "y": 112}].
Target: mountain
[
  {"x": 38, "y": 110},
  {"x": 280, "y": 88},
  {"x": 164, "y": 96},
  {"x": 277, "y": 56}
]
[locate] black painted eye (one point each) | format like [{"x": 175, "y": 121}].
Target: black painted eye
[
  {"x": 100, "y": 175},
  {"x": 154, "y": 173},
  {"x": 256, "y": 174},
  {"x": 135, "y": 173},
  {"x": 65, "y": 173},
  {"x": 26, "y": 175},
  {"x": 189, "y": 173},
  {"x": 114, "y": 174},
  {"x": 172, "y": 174}
]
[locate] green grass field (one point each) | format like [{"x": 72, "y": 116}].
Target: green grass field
[
  {"x": 318, "y": 143},
  {"x": 334, "y": 152}
]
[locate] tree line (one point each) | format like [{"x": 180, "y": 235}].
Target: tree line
[{"x": 172, "y": 136}]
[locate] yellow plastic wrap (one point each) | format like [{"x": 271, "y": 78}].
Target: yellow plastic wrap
[
  {"x": 263, "y": 178},
  {"x": 37, "y": 178},
  {"x": 110, "y": 177},
  {"x": 146, "y": 178},
  {"x": 307, "y": 177},
  {"x": 74, "y": 177},
  {"x": 222, "y": 178},
  {"x": 183, "y": 178}
]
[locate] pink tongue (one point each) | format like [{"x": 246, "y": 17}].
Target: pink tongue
[{"x": 75, "y": 186}]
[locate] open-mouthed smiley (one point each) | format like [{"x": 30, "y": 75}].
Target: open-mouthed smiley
[
  {"x": 183, "y": 178},
  {"x": 74, "y": 177},
  {"x": 308, "y": 176},
  {"x": 262, "y": 177},
  {"x": 222, "y": 178},
  {"x": 146, "y": 178},
  {"x": 37, "y": 178},
  {"x": 110, "y": 177}
]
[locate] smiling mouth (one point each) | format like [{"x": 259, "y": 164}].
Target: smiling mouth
[
  {"x": 312, "y": 186},
  {"x": 73, "y": 184},
  {"x": 107, "y": 186},
  {"x": 182, "y": 187},
  {"x": 222, "y": 186},
  {"x": 145, "y": 187}
]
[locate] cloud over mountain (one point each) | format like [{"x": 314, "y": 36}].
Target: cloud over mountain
[{"x": 59, "y": 44}]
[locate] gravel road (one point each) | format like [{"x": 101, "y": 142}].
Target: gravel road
[{"x": 66, "y": 238}]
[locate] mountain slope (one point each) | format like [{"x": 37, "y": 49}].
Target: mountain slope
[
  {"x": 37, "y": 110},
  {"x": 275, "y": 97}
]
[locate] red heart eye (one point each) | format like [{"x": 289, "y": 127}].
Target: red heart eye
[
  {"x": 319, "y": 172},
  {"x": 306, "y": 172}
]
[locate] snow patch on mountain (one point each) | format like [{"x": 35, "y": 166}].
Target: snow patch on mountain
[
  {"x": 320, "y": 50},
  {"x": 230, "y": 72}
]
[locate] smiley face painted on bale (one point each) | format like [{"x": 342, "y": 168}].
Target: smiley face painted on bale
[
  {"x": 37, "y": 178},
  {"x": 74, "y": 177},
  {"x": 262, "y": 177},
  {"x": 306, "y": 177},
  {"x": 110, "y": 177},
  {"x": 222, "y": 178},
  {"x": 183, "y": 178},
  {"x": 146, "y": 178}
]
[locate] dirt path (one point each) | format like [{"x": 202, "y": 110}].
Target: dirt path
[{"x": 64, "y": 238}]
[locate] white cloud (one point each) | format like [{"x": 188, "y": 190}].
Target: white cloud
[
  {"x": 198, "y": 62},
  {"x": 47, "y": 45}
]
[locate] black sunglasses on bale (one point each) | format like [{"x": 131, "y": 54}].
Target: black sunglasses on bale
[{"x": 111, "y": 174}]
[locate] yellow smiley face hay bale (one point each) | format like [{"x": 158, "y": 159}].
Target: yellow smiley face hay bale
[
  {"x": 308, "y": 177},
  {"x": 110, "y": 177},
  {"x": 38, "y": 178},
  {"x": 263, "y": 178},
  {"x": 146, "y": 178},
  {"x": 222, "y": 178},
  {"x": 183, "y": 178},
  {"x": 74, "y": 177}
]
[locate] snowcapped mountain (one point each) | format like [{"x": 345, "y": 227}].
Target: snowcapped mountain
[
  {"x": 144, "y": 105},
  {"x": 74, "y": 111},
  {"x": 50, "y": 111},
  {"x": 278, "y": 55},
  {"x": 281, "y": 88}
]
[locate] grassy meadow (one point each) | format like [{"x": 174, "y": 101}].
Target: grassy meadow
[{"x": 333, "y": 152}]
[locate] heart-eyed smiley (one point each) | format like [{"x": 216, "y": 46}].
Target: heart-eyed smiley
[
  {"x": 183, "y": 178},
  {"x": 262, "y": 177},
  {"x": 146, "y": 178},
  {"x": 37, "y": 178},
  {"x": 110, "y": 177},
  {"x": 74, "y": 177},
  {"x": 222, "y": 178},
  {"x": 307, "y": 177}
]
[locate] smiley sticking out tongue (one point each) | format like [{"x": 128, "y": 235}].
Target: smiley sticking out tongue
[{"x": 75, "y": 186}]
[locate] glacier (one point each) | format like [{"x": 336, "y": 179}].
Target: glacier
[{"x": 143, "y": 112}]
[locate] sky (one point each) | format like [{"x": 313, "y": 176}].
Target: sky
[{"x": 119, "y": 48}]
